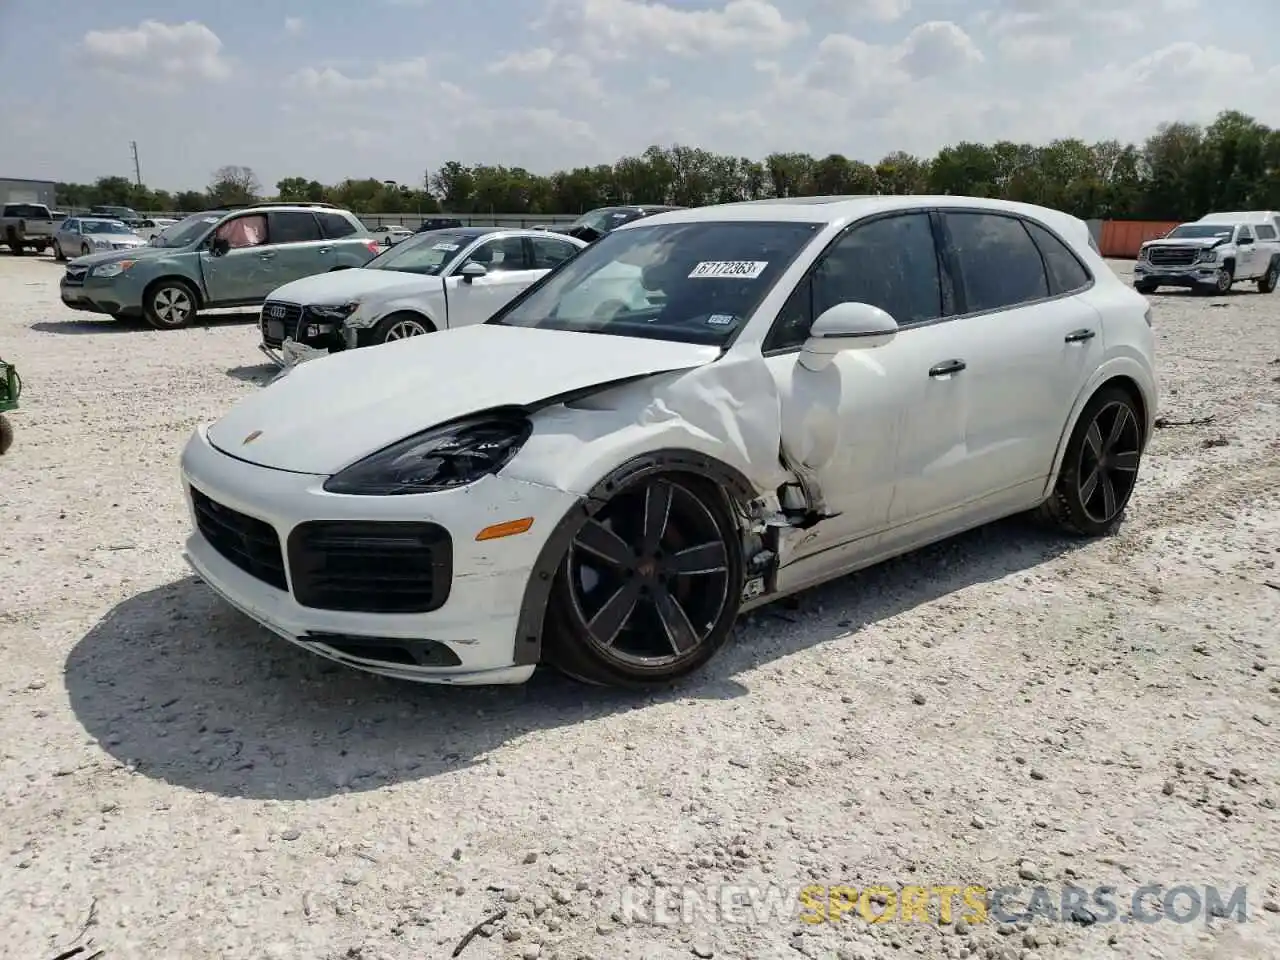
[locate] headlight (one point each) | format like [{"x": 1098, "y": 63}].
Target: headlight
[
  {"x": 445, "y": 457},
  {"x": 1207, "y": 256},
  {"x": 328, "y": 311},
  {"x": 113, "y": 269}
]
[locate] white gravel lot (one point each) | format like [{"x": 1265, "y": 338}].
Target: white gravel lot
[{"x": 1006, "y": 704}]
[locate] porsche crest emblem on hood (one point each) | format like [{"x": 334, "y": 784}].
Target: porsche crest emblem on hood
[{"x": 251, "y": 437}]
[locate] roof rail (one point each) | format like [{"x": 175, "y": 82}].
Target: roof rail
[{"x": 293, "y": 203}]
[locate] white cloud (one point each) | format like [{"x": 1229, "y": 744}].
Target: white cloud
[
  {"x": 876, "y": 11},
  {"x": 565, "y": 74},
  {"x": 409, "y": 74},
  {"x": 293, "y": 25},
  {"x": 177, "y": 50},
  {"x": 618, "y": 29}
]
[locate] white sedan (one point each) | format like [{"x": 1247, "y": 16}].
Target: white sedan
[
  {"x": 433, "y": 281},
  {"x": 82, "y": 236},
  {"x": 794, "y": 390}
]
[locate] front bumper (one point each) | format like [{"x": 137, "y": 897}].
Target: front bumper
[
  {"x": 1194, "y": 275},
  {"x": 99, "y": 296},
  {"x": 477, "y": 623}
]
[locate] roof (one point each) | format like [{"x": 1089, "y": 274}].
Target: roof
[{"x": 845, "y": 209}]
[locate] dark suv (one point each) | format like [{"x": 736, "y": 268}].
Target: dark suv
[{"x": 594, "y": 224}]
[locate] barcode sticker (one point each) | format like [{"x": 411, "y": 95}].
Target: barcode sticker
[
  {"x": 735, "y": 269},
  {"x": 445, "y": 246}
]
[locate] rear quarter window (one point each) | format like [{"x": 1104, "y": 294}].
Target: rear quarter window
[
  {"x": 335, "y": 225},
  {"x": 1066, "y": 273}
]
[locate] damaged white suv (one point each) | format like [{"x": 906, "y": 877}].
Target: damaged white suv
[
  {"x": 1211, "y": 255},
  {"x": 701, "y": 412}
]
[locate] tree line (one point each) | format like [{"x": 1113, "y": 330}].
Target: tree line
[{"x": 1181, "y": 172}]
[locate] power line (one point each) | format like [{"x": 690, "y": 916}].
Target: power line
[{"x": 137, "y": 167}]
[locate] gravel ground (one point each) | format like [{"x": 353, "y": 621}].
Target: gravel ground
[{"x": 1005, "y": 709}]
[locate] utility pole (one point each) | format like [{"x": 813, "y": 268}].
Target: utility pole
[{"x": 137, "y": 167}]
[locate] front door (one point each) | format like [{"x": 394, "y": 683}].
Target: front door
[
  {"x": 247, "y": 270},
  {"x": 1246, "y": 254},
  {"x": 509, "y": 272},
  {"x": 846, "y": 423}
]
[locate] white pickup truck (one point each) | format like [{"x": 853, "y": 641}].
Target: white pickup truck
[
  {"x": 26, "y": 226},
  {"x": 1212, "y": 254}
]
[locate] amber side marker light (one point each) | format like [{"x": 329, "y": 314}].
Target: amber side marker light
[{"x": 508, "y": 528}]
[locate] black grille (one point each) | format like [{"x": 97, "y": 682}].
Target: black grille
[
  {"x": 249, "y": 543},
  {"x": 371, "y": 567},
  {"x": 1173, "y": 256},
  {"x": 75, "y": 275},
  {"x": 278, "y": 321}
]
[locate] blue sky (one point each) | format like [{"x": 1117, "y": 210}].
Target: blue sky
[{"x": 388, "y": 88}]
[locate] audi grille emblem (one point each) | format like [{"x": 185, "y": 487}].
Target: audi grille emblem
[{"x": 277, "y": 312}]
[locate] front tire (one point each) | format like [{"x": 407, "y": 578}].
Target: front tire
[
  {"x": 400, "y": 326},
  {"x": 170, "y": 305},
  {"x": 57, "y": 252},
  {"x": 84, "y": 250},
  {"x": 1100, "y": 466},
  {"x": 650, "y": 586},
  {"x": 1222, "y": 281},
  {"x": 1268, "y": 281},
  {"x": 6, "y": 434},
  {"x": 1146, "y": 288}
]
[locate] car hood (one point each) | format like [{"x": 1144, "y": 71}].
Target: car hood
[
  {"x": 341, "y": 286},
  {"x": 142, "y": 252},
  {"x": 1202, "y": 242},
  {"x": 335, "y": 410}
]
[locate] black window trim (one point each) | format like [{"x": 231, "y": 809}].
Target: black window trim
[
  {"x": 950, "y": 253},
  {"x": 946, "y": 275}
]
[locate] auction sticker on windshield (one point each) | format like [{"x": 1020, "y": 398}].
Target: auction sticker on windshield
[
  {"x": 445, "y": 246},
  {"x": 746, "y": 269}
]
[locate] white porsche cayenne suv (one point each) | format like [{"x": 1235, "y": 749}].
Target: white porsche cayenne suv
[{"x": 702, "y": 412}]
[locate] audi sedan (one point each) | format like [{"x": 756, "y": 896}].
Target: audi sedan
[{"x": 700, "y": 413}]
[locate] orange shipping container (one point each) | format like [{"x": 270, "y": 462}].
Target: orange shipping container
[{"x": 1123, "y": 238}]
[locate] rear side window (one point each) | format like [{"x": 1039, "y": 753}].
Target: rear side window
[
  {"x": 293, "y": 227},
  {"x": 335, "y": 225},
  {"x": 1066, "y": 273},
  {"x": 999, "y": 265},
  {"x": 1265, "y": 232},
  {"x": 26, "y": 210}
]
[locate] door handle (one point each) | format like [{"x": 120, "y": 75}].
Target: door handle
[
  {"x": 1080, "y": 336},
  {"x": 946, "y": 367},
  {"x": 326, "y": 249},
  {"x": 269, "y": 255}
]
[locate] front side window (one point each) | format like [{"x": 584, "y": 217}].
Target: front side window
[
  {"x": 500, "y": 255},
  {"x": 288, "y": 226},
  {"x": 891, "y": 263},
  {"x": 71, "y": 226},
  {"x": 1000, "y": 266},
  {"x": 426, "y": 254},
  {"x": 1246, "y": 233},
  {"x": 241, "y": 232},
  {"x": 690, "y": 282}
]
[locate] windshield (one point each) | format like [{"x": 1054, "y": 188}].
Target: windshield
[
  {"x": 603, "y": 220},
  {"x": 426, "y": 254},
  {"x": 103, "y": 226},
  {"x": 186, "y": 231},
  {"x": 1201, "y": 231},
  {"x": 691, "y": 282}
]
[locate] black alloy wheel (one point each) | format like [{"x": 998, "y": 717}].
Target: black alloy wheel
[
  {"x": 650, "y": 586},
  {"x": 1100, "y": 468}
]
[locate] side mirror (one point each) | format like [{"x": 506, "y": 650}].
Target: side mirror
[
  {"x": 219, "y": 246},
  {"x": 470, "y": 271},
  {"x": 1244, "y": 241},
  {"x": 846, "y": 326}
]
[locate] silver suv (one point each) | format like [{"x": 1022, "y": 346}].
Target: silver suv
[{"x": 218, "y": 259}]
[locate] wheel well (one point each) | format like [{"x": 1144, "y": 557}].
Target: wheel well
[
  {"x": 150, "y": 287},
  {"x": 1129, "y": 386},
  {"x": 1230, "y": 264}
]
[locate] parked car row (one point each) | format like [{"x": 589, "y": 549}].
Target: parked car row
[
  {"x": 698, "y": 413},
  {"x": 1213, "y": 254}
]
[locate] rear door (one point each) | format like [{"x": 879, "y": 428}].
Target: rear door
[
  {"x": 349, "y": 245},
  {"x": 507, "y": 261},
  {"x": 1001, "y": 377},
  {"x": 298, "y": 246}
]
